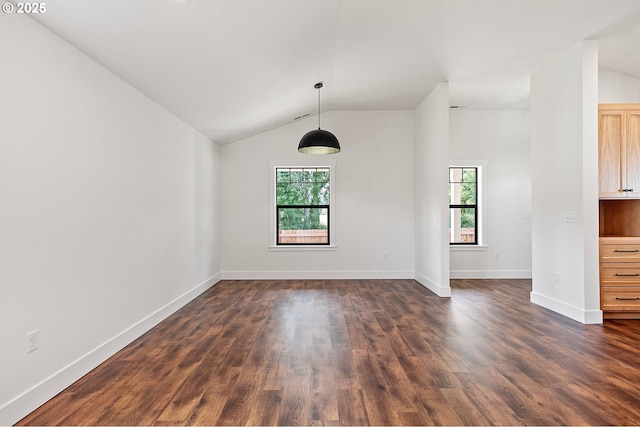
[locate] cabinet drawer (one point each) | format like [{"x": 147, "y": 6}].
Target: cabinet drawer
[
  {"x": 620, "y": 274},
  {"x": 620, "y": 298},
  {"x": 620, "y": 253}
]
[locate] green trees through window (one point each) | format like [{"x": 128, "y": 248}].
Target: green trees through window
[
  {"x": 302, "y": 205},
  {"x": 463, "y": 205}
]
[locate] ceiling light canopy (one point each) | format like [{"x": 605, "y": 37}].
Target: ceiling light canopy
[{"x": 319, "y": 141}]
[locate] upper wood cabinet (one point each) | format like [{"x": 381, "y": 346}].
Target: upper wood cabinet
[{"x": 619, "y": 151}]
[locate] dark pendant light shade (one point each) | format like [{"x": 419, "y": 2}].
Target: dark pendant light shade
[{"x": 319, "y": 141}]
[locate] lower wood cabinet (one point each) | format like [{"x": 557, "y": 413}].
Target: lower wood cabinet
[{"x": 620, "y": 277}]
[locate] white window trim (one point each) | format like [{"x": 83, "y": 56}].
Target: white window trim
[
  {"x": 483, "y": 241},
  {"x": 310, "y": 163}
]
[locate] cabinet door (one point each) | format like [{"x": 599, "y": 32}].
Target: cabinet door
[
  {"x": 632, "y": 148},
  {"x": 610, "y": 153}
]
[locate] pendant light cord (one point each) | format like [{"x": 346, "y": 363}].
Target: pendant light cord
[
  {"x": 319, "y": 107},
  {"x": 318, "y": 86}
]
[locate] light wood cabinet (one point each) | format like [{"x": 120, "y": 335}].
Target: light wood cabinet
[
  {"x": 619, "y": 151},
  {"x": 619, "y": 191},
  {"x": 620, "y": 277}
]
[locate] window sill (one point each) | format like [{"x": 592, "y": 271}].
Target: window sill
[
  {"x": 302, "y": 248},
  {"x": 468, "y": 247}
]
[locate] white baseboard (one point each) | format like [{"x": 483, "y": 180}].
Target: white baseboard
[
  {"x": 570, "y": 311},
  {"x": 22, "y": 405},
  {"x": 592, "y": 317},
  {"x": 315, "y": 275},
  {"x": 441, "y": 291},
  {"x": 490, "y": 274}
]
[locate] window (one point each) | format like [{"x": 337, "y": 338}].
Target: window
[
  {"x": 303, "y": 205},
  {"x": 463, "y": 205}
]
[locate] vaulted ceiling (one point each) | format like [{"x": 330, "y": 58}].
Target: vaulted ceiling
[{"x": 232, "y": 68}]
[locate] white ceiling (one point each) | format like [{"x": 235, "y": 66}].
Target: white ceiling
[{"x": 232, "y": 68}]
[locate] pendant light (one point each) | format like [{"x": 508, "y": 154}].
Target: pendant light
[{"x": 319, "y": 141}]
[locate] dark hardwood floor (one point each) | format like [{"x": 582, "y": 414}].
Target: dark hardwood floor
[{"x": 363, "y": 352}]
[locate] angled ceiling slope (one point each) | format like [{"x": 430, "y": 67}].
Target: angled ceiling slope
[{"x": 232, "y": 68}]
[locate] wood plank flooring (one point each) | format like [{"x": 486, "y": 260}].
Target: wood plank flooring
[{"x": 363, "y": 352}]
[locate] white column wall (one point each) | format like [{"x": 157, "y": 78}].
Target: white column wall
[
  {"x": 431, "y": 164},
  {"x": 564, "y": 145}
]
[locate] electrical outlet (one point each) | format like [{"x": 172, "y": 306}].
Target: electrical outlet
[
  {"x": 385, "y": 255},
  {"x": 33, "y": 341},
  {"x": 496, "y": 255},
  {"x": 556, "y": 277}
]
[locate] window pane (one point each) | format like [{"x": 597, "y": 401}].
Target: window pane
[
  {"x": 455, "y": 174},
  {"x": 303, "y": 225},
  {"x": 462, "y": 193},
  {"x": 463, "y": 174},
  {"x": 468, "y": 193},
  {"x": 297, "y": 175},
  {"x": 309, "y": 175},
  {"x": 462, "y": 225},
  {"x": 282, "y": 175},
  {"x": 291, "y": 194},
  {"x": 302, "y": 186},
  {"x": 322, "y": 176},
  {"x": 469, "y": 175}
]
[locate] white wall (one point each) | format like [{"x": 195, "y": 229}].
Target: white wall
[
  {"x": 564, "y": 142},
  {"x": 616, "y": 88},
  {"x": 373, "y": 208},
  {"x": 431, "y": 164},
  {"x": 108, "y": 219},
  {"x": 502, "y": 139}
]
